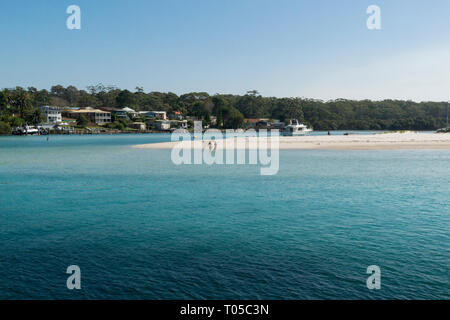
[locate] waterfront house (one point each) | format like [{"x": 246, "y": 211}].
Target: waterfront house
[
  {"x": 154, "y": 114},
  {"x": 250, "y": 123},
  {"x": 183, "y": 124},
  {"x": 51, "y": 114},
  {"x": 162, "y": 125},
  {"x": 120, "y": 114},
  {"x": 94, "y": 115},
  {"x": 113, "y": 111},
  {"x": 124, "y": 112},
  {"x": 139, "y": 126},
  {"x": 277, "y": 124},
  {"x": 180, "y": 124},
  {"x": 263, "y": 123},
  {"x": 176, "y": 115}
]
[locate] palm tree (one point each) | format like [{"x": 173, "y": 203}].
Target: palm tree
[{"x": 21, "y": 102}]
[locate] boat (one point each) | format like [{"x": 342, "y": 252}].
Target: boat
[
  {"x": 27, "y": 130},
  {"x": 31, "y": 130},
  {"x": 296, "y": 128}
]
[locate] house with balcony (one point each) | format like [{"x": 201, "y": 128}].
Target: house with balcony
[
  {"x": 176, "y": 115},
  {"x": 141, "y": 126},
  {"x": 162, "y": 115},
  {"x": 93, "y": 115},
  {"x": 51, "y": 114},
  {"x": 162, "y": 125},
  {"x": 124, "y": 112}
]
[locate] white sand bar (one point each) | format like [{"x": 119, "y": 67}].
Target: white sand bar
[{"x": 384, "y": 141}]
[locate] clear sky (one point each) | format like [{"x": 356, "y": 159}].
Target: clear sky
[{"x": 297, "y": 48}]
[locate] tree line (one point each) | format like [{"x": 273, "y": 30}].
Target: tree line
[{"x": 19, "y": 106}]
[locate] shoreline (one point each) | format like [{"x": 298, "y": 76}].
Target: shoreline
[
  {"x": 387, "y": 141},
  {"x": 85, "y": 134}
]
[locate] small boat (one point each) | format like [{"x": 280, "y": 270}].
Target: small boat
[
  {"x": 296, "y": 128},
  {"x": 26, "y": 131},
  {"x": 30, "y": 130}
]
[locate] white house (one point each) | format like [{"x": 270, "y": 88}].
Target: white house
[
  {"x": 127, "y": 110},
  {"x": 162, "y": 125},
  {"x": 139, "y": 126},
  {"x": 154, "y": 114},
  {"x": 94, "y": 115},
  {"x": 182, "y": 124},
  {"x": 52, "y": 115}
]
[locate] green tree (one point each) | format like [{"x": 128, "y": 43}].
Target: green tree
[
  {"x": 16, "y": 122},
  {"x": 35, "y": 117},
  {"x": 5, "y": 128},
  {"x": 41, "y": 98},
  {"x": 219, "y": 122},
  {"x": 126, "y": 99},
  {"x": 3, "y": 103},
  {"x": 87, "y": 100},
  {"x": 234, "y": 119},
  {"x": 21, "y": 102},
  {"x": 82, "y": 121}
]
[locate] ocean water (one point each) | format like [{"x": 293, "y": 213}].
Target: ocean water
[{"x": 141, "y": 227}]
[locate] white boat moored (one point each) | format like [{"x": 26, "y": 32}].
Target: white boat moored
[{"x": 296, "y": 128}]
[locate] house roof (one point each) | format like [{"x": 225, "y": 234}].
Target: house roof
[
  {"x": 89, "y": 110},
  {"x": 126, "y": 109},
  {"x": 143, "y": 112},
  {"x": 110, "y": 109}
]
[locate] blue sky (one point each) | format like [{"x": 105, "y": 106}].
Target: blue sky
[{"x": 315, "y": 48}]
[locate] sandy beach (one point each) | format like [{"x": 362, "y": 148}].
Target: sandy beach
[{"x": 382, "y": 141}]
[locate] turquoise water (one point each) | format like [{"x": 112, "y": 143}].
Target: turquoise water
[{"x": 140, "y": 227}]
